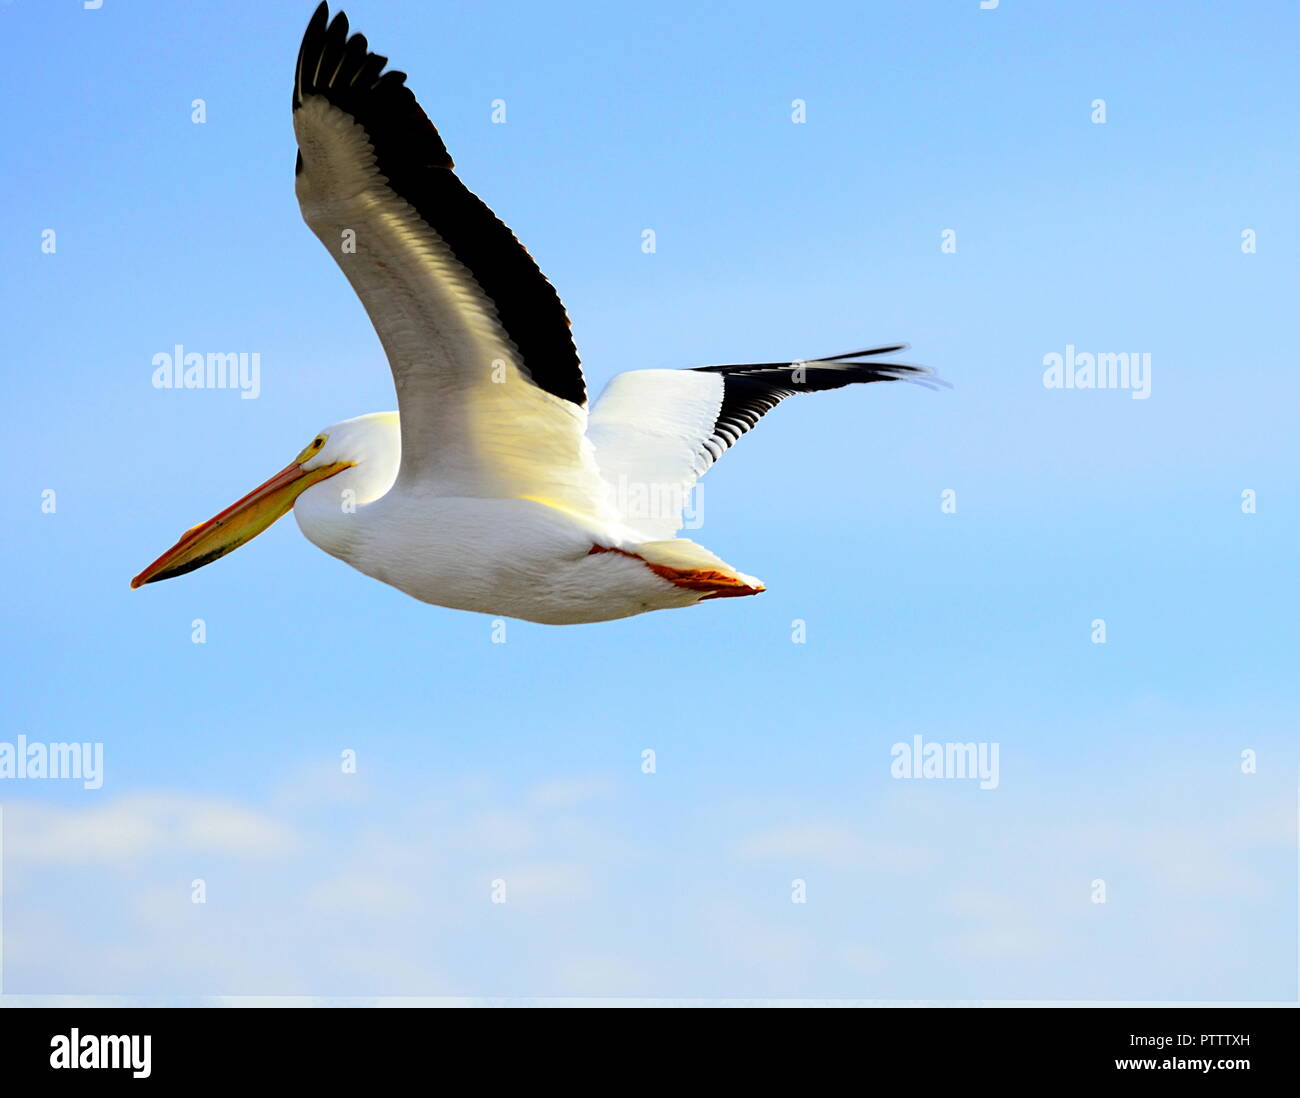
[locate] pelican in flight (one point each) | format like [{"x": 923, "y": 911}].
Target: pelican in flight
[{"x": 493, "y": 488}]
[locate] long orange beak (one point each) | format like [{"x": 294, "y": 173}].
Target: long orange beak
[{"x": 240, "y": 522}]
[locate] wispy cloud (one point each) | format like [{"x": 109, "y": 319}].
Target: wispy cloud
[
  {"x": 837, "y": 847},
  {"x": 139, "y": 825}
]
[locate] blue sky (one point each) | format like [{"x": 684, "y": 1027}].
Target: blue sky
[{"x": 521, "y": 761}]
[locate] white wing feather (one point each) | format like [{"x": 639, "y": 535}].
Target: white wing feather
[{"x": 649, "y": 428}]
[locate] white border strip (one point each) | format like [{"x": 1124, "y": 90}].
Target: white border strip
[{"x": 272, "y": 1001}]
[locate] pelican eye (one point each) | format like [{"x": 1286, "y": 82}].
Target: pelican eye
[{"x": 311, "y": 448}]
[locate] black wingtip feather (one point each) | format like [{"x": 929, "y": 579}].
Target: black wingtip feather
[
  {"x": 316, "y": 26},
  {"x": 752, "y": 389},
  {"x": 411, "y": 156},
  {"x": 814, "y": 375},
  {"x": 889, "y": 350}
]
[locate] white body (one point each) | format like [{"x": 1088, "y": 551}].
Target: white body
[
  {"x": 466, "y": 554},
  {"x": 511, "y": 557}
]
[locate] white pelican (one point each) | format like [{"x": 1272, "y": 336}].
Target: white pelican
[{"x": 492, "y": 488}]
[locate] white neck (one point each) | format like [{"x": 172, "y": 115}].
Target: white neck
[{"x": 331, "y": 514}]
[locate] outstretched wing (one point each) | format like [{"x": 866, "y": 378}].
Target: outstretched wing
[
  {"x": 489, "y": 386},
  {"x": 656, "y": 432}
]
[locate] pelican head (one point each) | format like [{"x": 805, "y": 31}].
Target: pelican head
[{"x": 365, "y": 447}]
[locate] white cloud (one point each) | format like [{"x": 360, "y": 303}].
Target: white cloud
[
  {"x": 565, "y": 792},
  {"x": 139, "y": 825},
  {"x": 862, "y": 959},
  {"x": 499, "y": 832},
  {"x": 1008, "y": 929},
  {"x": 836, "y": 847},
  {"x": 773, "y": 953},
  {"x": 599, "y": 975},
  {"x": 544, "y": 883},
  {"x": 369, "y": 893}
]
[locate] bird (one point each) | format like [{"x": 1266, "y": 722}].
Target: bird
[{"x": 494, "y": 488}]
